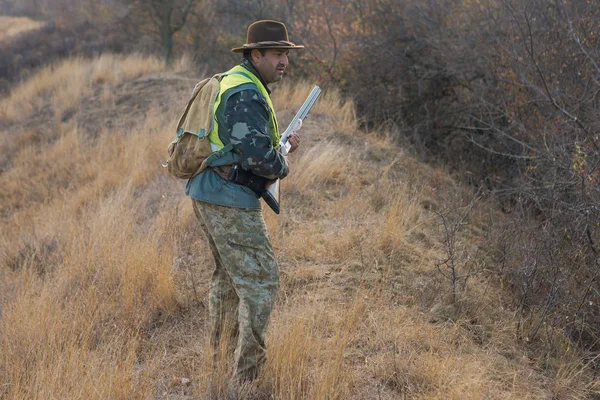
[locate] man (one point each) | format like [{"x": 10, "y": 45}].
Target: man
[{"x": 245, "y": 280}]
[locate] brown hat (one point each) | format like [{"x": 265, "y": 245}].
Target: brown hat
[{"x": 265, "y": 35}]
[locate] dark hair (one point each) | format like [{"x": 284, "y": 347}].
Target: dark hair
[{"x": 248, "y": 53}]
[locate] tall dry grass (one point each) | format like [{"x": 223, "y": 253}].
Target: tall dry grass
[
  {"x": 104, "y": 270},
  {"x": 86, "y": 259},
  {"x": 73, "y": 329},
  {"x": 92, "y": 271}
]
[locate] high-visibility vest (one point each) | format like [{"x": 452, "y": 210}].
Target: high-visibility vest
[{"x": 237, "y": 76}]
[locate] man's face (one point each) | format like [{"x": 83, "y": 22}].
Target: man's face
[{"x": 271, "y": 65}]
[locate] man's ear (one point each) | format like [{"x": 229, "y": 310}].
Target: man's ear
[{"x": 256, "y": 55}]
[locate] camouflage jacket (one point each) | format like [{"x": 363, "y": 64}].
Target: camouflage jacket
[{"x": 243, "y": 117}]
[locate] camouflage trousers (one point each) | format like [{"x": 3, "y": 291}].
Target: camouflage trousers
[{"x": 243, "y": 286}]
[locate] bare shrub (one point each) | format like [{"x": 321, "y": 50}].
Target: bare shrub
[
  {"x": 505, "y": 93},
  {"x": 456, "y": 267},
  {"x": 547, "y": 67}
]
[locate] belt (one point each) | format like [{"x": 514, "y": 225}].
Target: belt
[{"x": 223, "y": 170}]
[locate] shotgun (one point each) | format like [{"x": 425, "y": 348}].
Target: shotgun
[{"x": 271, "y": 194}]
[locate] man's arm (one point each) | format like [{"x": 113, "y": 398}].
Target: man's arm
[{"x": 246, "y": 118}]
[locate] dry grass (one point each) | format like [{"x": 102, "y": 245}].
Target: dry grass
[
  {"x": 61, "y": 86},
  {"x": 12, "y": 26},
  {"x": 104, "y": 271}
]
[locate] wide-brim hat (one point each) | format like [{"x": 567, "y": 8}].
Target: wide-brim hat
[{"x": 267, "y": 35}]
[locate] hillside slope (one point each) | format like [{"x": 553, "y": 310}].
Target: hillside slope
[{"x": 104, "y": 271}]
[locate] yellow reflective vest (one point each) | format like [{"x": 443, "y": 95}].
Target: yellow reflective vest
[{"x": 235, "y": 77}]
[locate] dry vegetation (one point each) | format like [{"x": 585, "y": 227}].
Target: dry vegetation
[
  {"x": 12, "y": 26},
  {"x": 104, "y": 271}
]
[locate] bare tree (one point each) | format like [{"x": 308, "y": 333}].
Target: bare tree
[
  {"x": 252, "y": 10},
  {"x": 167, "y": 17}
]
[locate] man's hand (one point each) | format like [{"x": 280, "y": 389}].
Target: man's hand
[
  {"x": 294, "y": 137},
  {"x": 294, "y": 140}
]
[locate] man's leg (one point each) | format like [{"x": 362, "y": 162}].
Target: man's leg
[
  {"x": 247, "y": 256},
  {"x": 223, "y": 310},
  {"x": 222, "y": 299}
]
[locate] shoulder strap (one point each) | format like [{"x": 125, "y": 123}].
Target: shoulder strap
[{"x": 237, "y": 73}]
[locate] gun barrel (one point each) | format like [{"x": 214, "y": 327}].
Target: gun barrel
[
  {"x": 303, "y": 112},
  {"x": 310, "y": 101}
]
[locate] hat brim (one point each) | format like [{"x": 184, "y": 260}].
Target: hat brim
[{"x": 272, "y": 45}]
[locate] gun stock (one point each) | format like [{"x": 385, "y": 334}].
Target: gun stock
[{"x": 271, "y": 195}]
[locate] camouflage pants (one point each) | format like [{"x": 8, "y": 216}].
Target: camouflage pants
[{"x": 243, "y": 286}]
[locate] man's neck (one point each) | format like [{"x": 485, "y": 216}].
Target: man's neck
[{"x": 250, "y": 67}]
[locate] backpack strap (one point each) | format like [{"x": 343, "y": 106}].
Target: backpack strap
[
  {"x": 215, "y": 155},
  {"x": 236, "y": 73}
]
